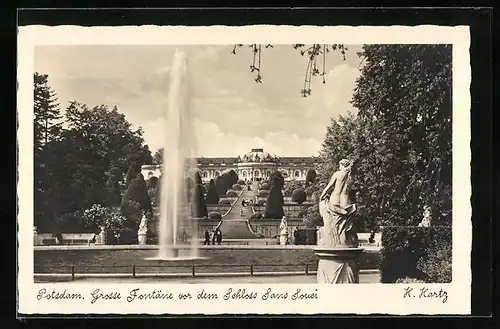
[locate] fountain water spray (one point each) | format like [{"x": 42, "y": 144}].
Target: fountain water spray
[{"x": 178, "y": 159}]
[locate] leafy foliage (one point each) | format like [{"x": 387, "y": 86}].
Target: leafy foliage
[
  {"x": 400, "y": 139},
  {"x": 265, "y": 186},
  {"x": 231, "y": 193},
  {"x": 99, "y": 216},
  {"x": 237, "y": 187},
  {"x": 46, "y": 129},
  {"x": 263, "y": 193},
  {"x": 274, "y": 204},
  {"x": 112, "y": 189},
  {"x": 215, "y": 215},
  {"x": 310, "y": 176},
  {"x": 256, "y": 215},
  {"x": 277, "y": 179},
  {"x": 79, "y": 159},
  {"x": 241, "y": 182},
  {"x": 158, "y": 156},
  {"x": 291, "y": 186},
  {"x": 198, "y": 205},
  {"x": 299, "y": 196},
  {"x": 224, "y": 202},
  {"x": 137, "y": 191},
  {"x": 423, "y": 253},
  {"x": 212, "y": 195}
]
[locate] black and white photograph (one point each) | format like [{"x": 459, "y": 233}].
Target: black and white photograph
[{"x": 276, "y": 169}]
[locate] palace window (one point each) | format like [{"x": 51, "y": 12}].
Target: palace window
[
  {"x": 205, "y": 174},
  {"x": 268, "y": 173},
  {"x": 217, "y": 174},
  {"x": 297, "y": 173},
  {"x": 256, "y": 173},
  {"x": 244, "y": 174}
]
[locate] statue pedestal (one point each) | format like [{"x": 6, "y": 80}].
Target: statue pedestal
[
  {"x": 102, "y": 237},
  {"x": 141, "y": 238},
  {"x": 283, "y": 239},
  {"x": 338, "y": 265}
]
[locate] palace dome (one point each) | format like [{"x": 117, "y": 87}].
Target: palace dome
[{"x": 257, "y": 155}]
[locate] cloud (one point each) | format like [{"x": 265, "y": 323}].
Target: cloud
[{"x": 232, "y": 113}]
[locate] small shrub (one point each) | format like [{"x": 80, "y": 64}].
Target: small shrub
[
  {"x": 97, "y": 216},
  {"x": 215, "y": 215},
  {"x": 231, "y": 193},
  {"x": 437, "y": 267},
  {"x": 409, "y": 280},
  {"x": 260, "y": 203},
  {"x": 299, "y": 196},
  {"x": 274, "y": 204},
  {"x": 241, "y": 182},
  {"x": 224, "y": 202},
  {"x": 263, "y": 193},
  {"x": 423, "y": 253},
  {"x": 256, "y": 215},
  {"x": 237, "y": 187},
  {"x": 128, "y": 236},
  {"x": 265, "y": 186}
]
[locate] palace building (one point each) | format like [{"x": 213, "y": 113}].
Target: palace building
[{"x": 254, "y": 165}]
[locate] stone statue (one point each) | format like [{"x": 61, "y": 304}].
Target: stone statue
[
  {"x": 283, "y": 231},
  {"x": 426, "y": 221},
  {"x": 338, "y": 246},
  {"x": 143, "y": 230},
  {"x": 337, "y": 210}
]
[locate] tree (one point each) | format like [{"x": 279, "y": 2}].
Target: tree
[
  {"x": 212, "y": 195},
  {"x": 313, "y": 52},
  {"x": 310, "y": 176},
  {"x": 112, "y": 188},
  {"x": 291, "y": 186},
  {"x": 198, "y": 205},
  {"x": 158, "y": 156},
  {"x": 136, "y": 193},
  {"x": 157, "y": 194},
  {"x": 94, "y": 139},
  {"x": 132, "y": 172},
  {"x": 46, "y": 129},
  {"x": 400, "y": 140},
  {"x": 274, "y": 203},
  {"x": 299, "y": 196},
  {"x": 277, "y": 179},
  {"x": 47, "y": 121}
]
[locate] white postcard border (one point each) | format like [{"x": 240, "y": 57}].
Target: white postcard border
[{"x": 357, "y": 299}]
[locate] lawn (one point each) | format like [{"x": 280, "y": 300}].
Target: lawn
[{"x": 215, "y": 261}]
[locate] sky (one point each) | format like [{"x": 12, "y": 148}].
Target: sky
[{"x": 231, "y": 112}]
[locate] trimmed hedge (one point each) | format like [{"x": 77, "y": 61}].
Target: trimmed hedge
[
  {"x": 263, "y": 193},
  {"x": 241, "y": 182},
  {"x": 224, "y": 202},
  {"x": 231, "y": 193},
  {"x": 265, "y": 186},
  {"x": 299, "y": 195},
  {"x": 420, "y": 253},
  {"x": 215, "y": 215},
  {"x": 261, "y": 202},
  {"x": 256, "y": 215},
  {"x": 237, "y": 187}
]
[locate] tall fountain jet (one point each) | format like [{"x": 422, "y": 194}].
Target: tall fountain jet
[{"x": 179, "y": 152}]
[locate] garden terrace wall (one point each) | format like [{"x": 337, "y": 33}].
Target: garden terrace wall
[
  {"x": 404, "y": 246},
  {"x": 270, "y": 227},
  {"x": 291, "y": 211}
]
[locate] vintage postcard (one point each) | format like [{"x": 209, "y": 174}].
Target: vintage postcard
[{"x": 244, "y": 170}]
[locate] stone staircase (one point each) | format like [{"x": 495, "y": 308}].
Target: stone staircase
[{"x": 235, "y": 224}]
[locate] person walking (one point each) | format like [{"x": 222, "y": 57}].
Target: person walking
[
  {"x": 207, "y": 238},
  {"x": 214, "y": 237},
  {"x": 219, "y": 237}
]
